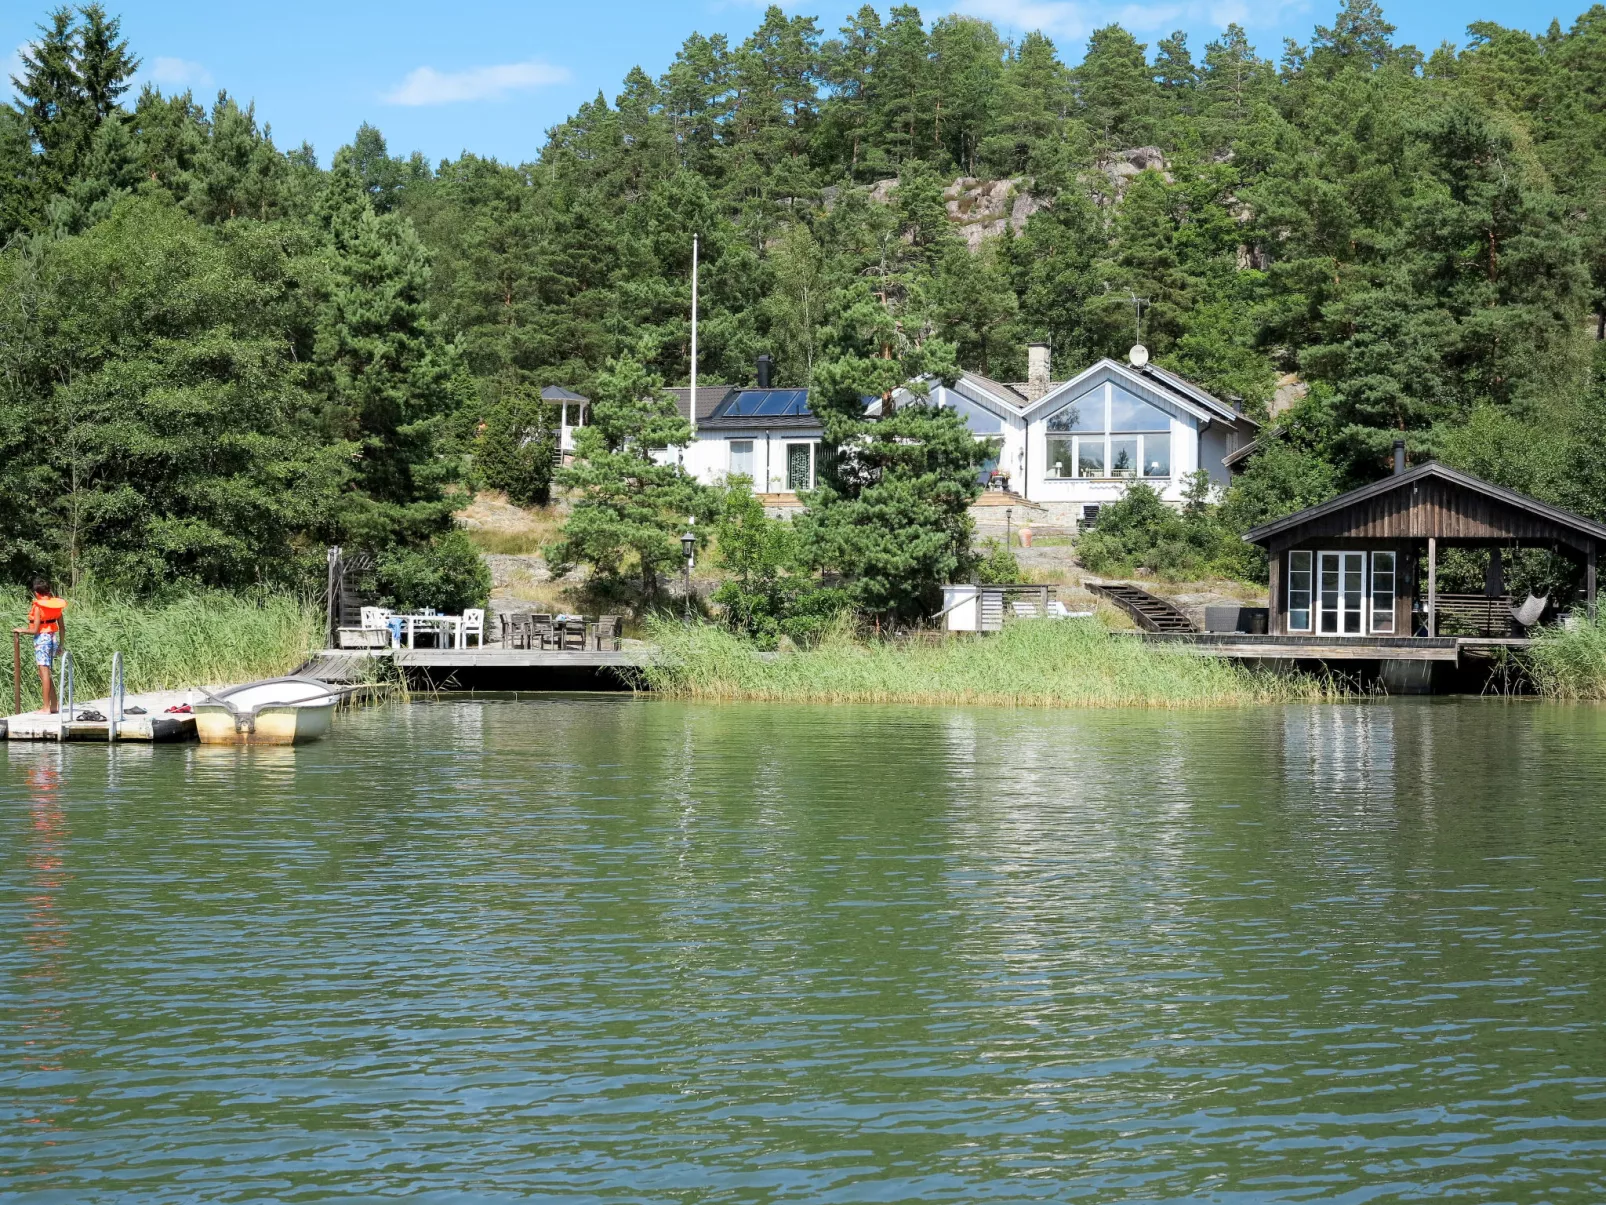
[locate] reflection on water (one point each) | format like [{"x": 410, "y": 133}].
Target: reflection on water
[{"x": 614, "y": 949}]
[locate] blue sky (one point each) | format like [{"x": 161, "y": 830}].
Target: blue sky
[{"x": 492, "y": 76}]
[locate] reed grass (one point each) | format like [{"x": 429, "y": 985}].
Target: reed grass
[
  {"x": 1068, "y": 663},
  {"x": 1570, "y": 663},
  {"x": 203, "y": 639}
]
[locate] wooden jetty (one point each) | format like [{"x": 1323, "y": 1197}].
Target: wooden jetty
[{"x": 488, "y": 668}]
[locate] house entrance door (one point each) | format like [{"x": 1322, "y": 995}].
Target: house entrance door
[{"x": 1341, "y": 594}]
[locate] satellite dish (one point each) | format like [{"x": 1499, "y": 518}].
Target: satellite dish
[{"x": 1138, "y": 356}]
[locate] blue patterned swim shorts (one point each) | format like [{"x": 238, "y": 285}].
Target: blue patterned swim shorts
[{"x": 44, "y": 648}]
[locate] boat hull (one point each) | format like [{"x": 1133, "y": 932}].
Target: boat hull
[{"x": 290, "y": 724}]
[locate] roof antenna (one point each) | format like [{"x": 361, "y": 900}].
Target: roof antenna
[{"x": 1139, "y": 355}]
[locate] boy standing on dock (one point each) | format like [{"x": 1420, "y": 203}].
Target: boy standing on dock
[{"x": 46, "y": 624}]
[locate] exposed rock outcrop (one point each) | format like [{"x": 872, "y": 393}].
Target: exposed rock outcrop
[{"x": 979, "y": 208}]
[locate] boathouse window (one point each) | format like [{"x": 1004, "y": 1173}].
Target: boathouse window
[
  {"x": 1383, "y": 593},
  {"x": 1299, "y": 588},
  {"x": 1108, "y": 432},
  {"x": 742, "y": 458}
]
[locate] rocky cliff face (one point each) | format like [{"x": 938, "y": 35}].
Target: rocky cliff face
[{"x": 984, "y": 208}]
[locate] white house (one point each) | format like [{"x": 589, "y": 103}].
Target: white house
[
  {"x": 1068, "y": 446},
  {"x": 766, "y": 434},
  {"x": 1063, "y": 446}
]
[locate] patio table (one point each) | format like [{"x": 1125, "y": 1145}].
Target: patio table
[{"x": 445, "y": 627}]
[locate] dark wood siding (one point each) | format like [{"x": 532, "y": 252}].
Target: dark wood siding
[{"x": 1426, "y": 508}]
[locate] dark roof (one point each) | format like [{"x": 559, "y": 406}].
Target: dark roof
[
  {"x": 1432, "y": 471},
  {"x": 556, "y": 393},
  {"x": 1168, "y": 379},
  {"x": 708, "y": 396},
  {"x": 1015, "y": 394}
]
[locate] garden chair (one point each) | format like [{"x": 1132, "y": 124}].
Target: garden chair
[
  {"x": 608, "y": 632},
  {"x": 520, "y": 630},
  {"x": 472, "y": 624},
  {"x": 573, "y": 635},
  {"x": 541, "y": 637}
]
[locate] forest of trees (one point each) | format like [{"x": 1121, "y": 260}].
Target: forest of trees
[{"x": 217, "y": 355}]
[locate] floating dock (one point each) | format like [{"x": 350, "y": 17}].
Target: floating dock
[{"x": 156, "y": 725}]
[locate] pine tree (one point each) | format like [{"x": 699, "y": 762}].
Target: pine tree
[
  {"x": 1116, "y": 91},
  {"x": 629, "y": 509},
  {"x": 389, "y": 380}
]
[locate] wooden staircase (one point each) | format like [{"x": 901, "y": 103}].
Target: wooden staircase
[{"x": 1149, "y": 611}]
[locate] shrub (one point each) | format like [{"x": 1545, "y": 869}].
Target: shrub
[
  {"x": 448, "y": 575},
  {"x": 770, "y": 593},
  {"x": 996, "y": 566},
  {"x": 1142, "y": 531}
]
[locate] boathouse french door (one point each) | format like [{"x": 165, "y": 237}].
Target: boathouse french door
[{"x": 1341, "y": 593}]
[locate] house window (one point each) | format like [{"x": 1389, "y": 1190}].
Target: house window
[
  {"x": 799, "y": 466},
  {"x": 1383, "y": 569},
  {"x": 1108, "y": 432},
  {"x": 1157, "y": 455},
  {"x": 1299, "y": 588},
  {"x": 742, "y": 458}
]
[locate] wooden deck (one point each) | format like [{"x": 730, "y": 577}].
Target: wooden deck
[{"x": 1336, "y": 648}]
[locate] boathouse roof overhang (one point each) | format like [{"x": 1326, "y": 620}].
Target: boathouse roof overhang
[{"x": 1434, "y": 501}]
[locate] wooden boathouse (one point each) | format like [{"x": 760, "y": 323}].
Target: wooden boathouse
[{"x": 1364, "y": 566}]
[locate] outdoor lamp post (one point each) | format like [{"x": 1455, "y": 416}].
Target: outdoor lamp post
[{"x": 688, "y": 545}]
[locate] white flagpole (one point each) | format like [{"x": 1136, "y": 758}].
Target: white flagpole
[{"x": 693, "y": 408}]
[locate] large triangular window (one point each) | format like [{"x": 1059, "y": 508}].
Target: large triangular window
[
  {"x": 1109, "y": 432},
  {"x": 1085, "y": 413}
]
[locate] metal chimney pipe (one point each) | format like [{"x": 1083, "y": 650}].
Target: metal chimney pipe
[
  {"x": 1399, "y": 457},
  {"x": 765, "y": 367}
]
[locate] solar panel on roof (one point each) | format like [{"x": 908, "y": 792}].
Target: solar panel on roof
[{"x": 766, "y": 403}]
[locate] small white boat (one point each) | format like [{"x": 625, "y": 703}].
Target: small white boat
[{"x": 278, "y": 711}]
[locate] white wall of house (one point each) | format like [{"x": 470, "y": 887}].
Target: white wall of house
[{"x": 762, "y": 453}]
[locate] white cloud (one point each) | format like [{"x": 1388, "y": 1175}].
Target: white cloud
[
  {"x": 426, "y": 86},
  {"x": 179, "y": 73}
]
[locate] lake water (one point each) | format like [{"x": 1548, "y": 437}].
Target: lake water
[{"x": 608, "y": 949}]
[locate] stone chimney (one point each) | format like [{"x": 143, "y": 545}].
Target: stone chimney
[{"x": 1036, "y": 370}]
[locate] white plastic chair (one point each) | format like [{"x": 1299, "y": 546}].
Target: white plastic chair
[{"x": 472, "y": 624}]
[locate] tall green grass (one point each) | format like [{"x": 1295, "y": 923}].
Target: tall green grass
[
  {"x": 1570, "y": 663},
  {"x": 204, "y": 639},
  {"x": 1070, "y": 663}
]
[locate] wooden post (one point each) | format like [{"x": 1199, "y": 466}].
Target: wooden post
[
  {"x": 1590, "y": 573},
  {"x": 1274, "y": 609},
  {"x": 16, "y": 672},
  {"x": 1433, "y": 586}
]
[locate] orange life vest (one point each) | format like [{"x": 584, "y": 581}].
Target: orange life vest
[{"x": 46, "y": 612}]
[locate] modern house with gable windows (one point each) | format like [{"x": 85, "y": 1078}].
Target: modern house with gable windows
[{"x": 1079, "y": 443}]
